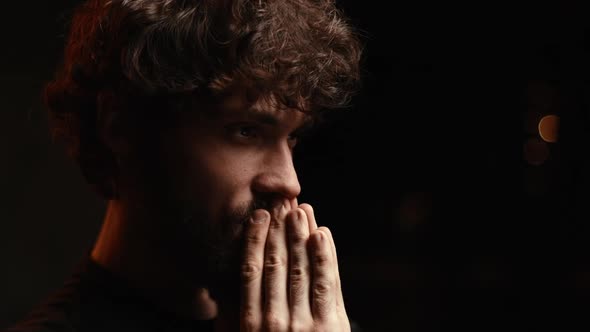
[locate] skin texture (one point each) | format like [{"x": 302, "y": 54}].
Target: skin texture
[
  {"x": 207, "y": 222},
  {"x": 290, "y": 279}
]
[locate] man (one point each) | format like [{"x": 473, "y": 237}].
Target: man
[{"x": 184, "y": 116}]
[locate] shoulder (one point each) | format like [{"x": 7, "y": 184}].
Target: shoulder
[
  {"x": 40, "y": 326},
  {"x": 54, "y": 314},
  {"x": 68, "y": 308},
  {"x": 92, "y": 300}
]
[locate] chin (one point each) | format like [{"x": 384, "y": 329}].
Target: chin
[
  {"x": 210, "y": 251},
  {"x": 224, "y": 282}
]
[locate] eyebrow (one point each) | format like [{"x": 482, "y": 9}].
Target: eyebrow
[
  {"x": 268, "y": 118},
  {"x": 261, "y": 116}
]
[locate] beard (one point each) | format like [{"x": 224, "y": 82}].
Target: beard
[
  {"x": 208, "y": 251},
  {"x": 206, "y": 247}
]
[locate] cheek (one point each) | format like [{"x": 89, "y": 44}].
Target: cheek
[{"x": 223, "y": 179}]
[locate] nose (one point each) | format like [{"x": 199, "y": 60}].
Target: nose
[{"x": 277, "y": 175}]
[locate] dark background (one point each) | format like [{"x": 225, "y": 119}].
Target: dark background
[{"x": 448, "y": 209}]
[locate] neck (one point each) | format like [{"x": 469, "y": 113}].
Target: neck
[{"x": 128, "y": 246}]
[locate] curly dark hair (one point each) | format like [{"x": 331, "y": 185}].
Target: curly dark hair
[{"x": 135, "y": 51}]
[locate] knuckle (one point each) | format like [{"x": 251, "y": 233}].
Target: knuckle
[
  {"x": 275, "y": 322},
  {"x": 249, "y": 322},
  {"x": 298, "y": 272},
  {"x": 251, "y": 271},
  {"x": 321, "y": 258},
  {"x": 297, "y": 283},
  {"x": 322, "y": 298},
  {"x": 322, "y": 289},
  {"x": 274, "y": 262},
  {"x": 275, "y": 223}
]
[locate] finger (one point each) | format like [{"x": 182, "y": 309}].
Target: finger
[
  {"x": 299, "y": 274},
  {"x": 294, "y": 203},
  {"x": 323, "y": 302},
  {"x": 339, "y": 297},
  {"x": 252, "y": 268},
  {"x": 313, "y": 225},
  {"x": 276, "y": 269}
]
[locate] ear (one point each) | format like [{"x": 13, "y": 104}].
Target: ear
[{"x": 110, "y": 124}]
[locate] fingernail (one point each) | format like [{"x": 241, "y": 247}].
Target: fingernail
[
  {"x": 321, "y": 237},
  {"x": 258, "y": 217}
]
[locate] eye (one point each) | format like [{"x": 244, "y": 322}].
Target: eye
[
  {"x": 246, "y": 131},
  {"x": 243, "y": 132}
]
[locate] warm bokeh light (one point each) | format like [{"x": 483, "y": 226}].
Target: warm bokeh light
[
  {"x": 549, "y": 128},
  {"x": 535, "y": 151}
]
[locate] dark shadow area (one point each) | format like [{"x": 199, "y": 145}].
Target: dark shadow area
[{"x": 451, "y": 206}]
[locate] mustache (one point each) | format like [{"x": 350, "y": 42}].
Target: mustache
[
  {"x": 242, "y": 214},
  {"x": 237, "y": 215}
]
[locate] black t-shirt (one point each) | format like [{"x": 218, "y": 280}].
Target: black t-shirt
[{"x": 95, "y": 300}]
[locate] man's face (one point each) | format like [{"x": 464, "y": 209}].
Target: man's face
[{"x": 210, "y": 172}]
